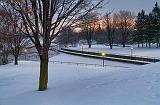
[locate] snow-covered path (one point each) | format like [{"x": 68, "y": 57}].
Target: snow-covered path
[{"x": 80, "y": 85}]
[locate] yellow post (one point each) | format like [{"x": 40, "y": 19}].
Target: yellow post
[
  {"x": 25, "y": 51},
  {"x": 103, "y": 55}
]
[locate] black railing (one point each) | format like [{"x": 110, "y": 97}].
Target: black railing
[
  {"x": 113, "y": 57},
  {"x": 140, "y": 58},
  {"x": 86, "y": 64}
]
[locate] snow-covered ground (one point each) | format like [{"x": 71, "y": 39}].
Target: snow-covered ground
[
  {"x": 79, "y": 59},
  {"x": 79, "y": 84},
  {"x": 149, "y": 52}
]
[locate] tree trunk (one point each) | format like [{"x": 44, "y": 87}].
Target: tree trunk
[
  {"x": 110, "y": 44},
  {"x": 89, "y": 45},
  {"x": 110, "y": 38},
  {"x": 146, "y": 43},
  {"x": 43, "y": 79},
  {"x": 5, "y": 59},
  {"x": 149, "y": 44},
  {"x": 16, "y": 60},
  {"x": 157, "y": 42},
  {"x": 138, "y": 44},
  {"x": 123, "y": 41},
  {"x": 124, "y": 45}
]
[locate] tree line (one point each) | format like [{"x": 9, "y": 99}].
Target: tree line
[
  {"x": 110, "y": 28},
  {"x": 148, "y": 28},
  {"x": 122, "y": 27}
]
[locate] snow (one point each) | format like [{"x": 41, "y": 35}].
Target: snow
[{"x": 80, "y": 84}]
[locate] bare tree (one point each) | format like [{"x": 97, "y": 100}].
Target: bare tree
[
  {"x": 18, "y": 43},
  {"x": 65, "y": 37},
  {"x": 125, "y": 22},
  {"x": 5, "y": 47},
  {"x": 45, "y": 19},
  {"x": 88, "y": 25},
  {"x": 108, "y": 22},
  {"x": 14, "y": 35}
]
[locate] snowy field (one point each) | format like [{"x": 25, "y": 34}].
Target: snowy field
[
  {"x": 149, "y": 52},
  {"x": 80, "y": 85}
]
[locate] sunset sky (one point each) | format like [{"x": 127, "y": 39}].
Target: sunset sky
[{"x": 132, "y": 5}]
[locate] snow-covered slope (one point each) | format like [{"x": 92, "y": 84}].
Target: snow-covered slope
[
  {"x": 150, "y": 52},
  {"x": 80, "y": 85}
]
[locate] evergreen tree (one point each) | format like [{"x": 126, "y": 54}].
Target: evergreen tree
[
  {"x": 150, "y": 31},
  {"x": 137, "y": 37},
  {"x": 140, "y": 28},
  {"x": 156, "y": 22}
]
